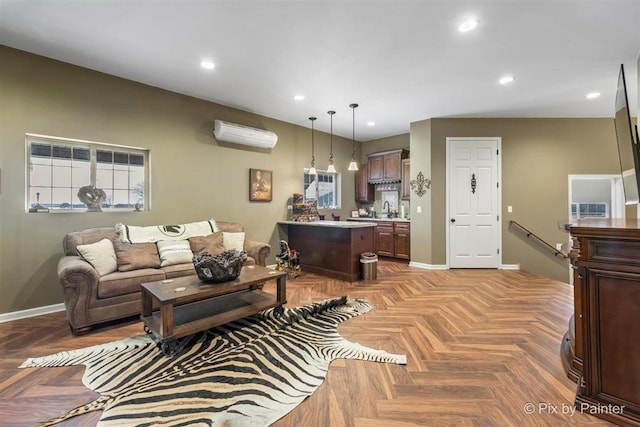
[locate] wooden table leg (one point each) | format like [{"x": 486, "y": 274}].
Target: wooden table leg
[
  {"x": 282, "y": 289},
  {"x": 147, "y": 305},
  {"x": 166, "y": 320}
]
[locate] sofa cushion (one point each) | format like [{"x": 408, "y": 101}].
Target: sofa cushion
[
  {"x": 233, "y": 241},
  {"x": 91, "y": 235},
  {"x": 213, "y": 243},
  {"x": 127, "y": 282},
  {"x": 100, "y": 255},
  {"x": 134, "y": 256},
  {"x": 179, "y": 270},
  {"x": 174, "y": 252}
]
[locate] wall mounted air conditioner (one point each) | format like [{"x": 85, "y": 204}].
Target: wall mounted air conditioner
[{"x": 245, "y": 135}]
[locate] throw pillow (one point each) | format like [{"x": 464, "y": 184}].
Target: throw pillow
[
  {"x": 174, "y": 252},
  {"x": 213, "y": 243},
  {"x": 134, "y": 256},
  {"x": 100, "y": 255},
  {"x": 233, "y": 241}
]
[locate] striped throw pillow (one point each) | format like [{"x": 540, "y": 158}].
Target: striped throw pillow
[{"x": 174, "y": 252}]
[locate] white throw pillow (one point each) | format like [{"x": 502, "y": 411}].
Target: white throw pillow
[
  {"x": 174, "y": 252},
  {"x": 233, "y": 241},
  {"x": 100, "y": 255}
]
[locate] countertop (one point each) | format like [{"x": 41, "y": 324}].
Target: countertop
[
  {"x": 334, "y": 224},
  {"x": 379, "y": 219}
]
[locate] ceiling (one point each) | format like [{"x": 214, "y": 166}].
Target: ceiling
[{"x": 402, "y": 61}]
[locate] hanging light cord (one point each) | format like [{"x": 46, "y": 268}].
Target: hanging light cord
[
  {"x": 353, "y": 134},
  {"x": 331, "y": 113},
  {"x": 313, "y": 150}
]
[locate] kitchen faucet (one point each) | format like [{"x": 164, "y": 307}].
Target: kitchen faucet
[{"x": 388, "y": 205}]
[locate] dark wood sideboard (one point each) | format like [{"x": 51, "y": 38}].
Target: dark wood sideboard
[{"x": 601, "y": 350}]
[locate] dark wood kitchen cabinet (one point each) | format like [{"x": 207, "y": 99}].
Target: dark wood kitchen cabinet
[
  {"x": 393, "y": 239},
  {"x": 405, "y": 193},
  {"x": 386, "y": 166},
  {"x": 364, "y": 190},
  {"x": 402, "y": 240},
  {"x": 600, "y": 350},
  {"x": 384, "y": 239}
]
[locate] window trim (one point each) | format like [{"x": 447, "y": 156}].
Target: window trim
[{"x": 33, "y": 137}]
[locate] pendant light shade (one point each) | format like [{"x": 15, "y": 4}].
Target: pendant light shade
[
  {"x": 312, "y": 169},
  {"x": 331, "y": 168},
  {"x": 353, "y": 166}
]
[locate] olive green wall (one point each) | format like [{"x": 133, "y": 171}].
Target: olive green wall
[
  {"x": 384, "y": 144},
  {"x": 421, "y": 224},
  {"x": 192, "y": 176},
  {"x": 537, "y": 157}
]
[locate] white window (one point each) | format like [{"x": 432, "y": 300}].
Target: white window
[
  {"x": 58, "y": 168},
  {"x": 589, "y": 210},
  {"x": 323, "y": 187}
]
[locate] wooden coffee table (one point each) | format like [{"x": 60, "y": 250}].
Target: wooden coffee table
[{"x": 188, "y": 306}]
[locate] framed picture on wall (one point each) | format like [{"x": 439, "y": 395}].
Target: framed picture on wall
[
  {"x": 355, "y": 214},
  {"x": 260, "y": 185}
]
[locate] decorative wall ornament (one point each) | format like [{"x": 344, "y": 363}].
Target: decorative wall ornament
[
  {"x": 474, "y": 183},
  {"x": 420, "y": 184},
  {"x": 92, "y": 197}
]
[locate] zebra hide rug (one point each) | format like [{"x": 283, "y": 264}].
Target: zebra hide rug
[{"x": 246, "y": 373}]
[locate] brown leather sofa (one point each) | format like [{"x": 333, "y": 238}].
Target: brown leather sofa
[{"x": 91, "y": 299}]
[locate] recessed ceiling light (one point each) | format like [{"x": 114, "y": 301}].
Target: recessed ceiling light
[
  {"x": 506, "y": 79},
  {"x": 593, "y": 95},
  {"x": 468, "y": 25},
  {"x": 371, "y": 123},
  {"x": 298, "y": 97},
  {"x": 208, "y": 65}
]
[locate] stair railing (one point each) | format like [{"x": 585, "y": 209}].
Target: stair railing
[{"x": 531, "y": 234}]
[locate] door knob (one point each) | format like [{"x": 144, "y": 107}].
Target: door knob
[{"x": 453, "y": 220}]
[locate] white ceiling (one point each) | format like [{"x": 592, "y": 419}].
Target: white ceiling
[{"x": 402, "y": 61}]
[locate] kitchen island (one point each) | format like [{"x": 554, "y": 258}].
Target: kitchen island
[{"x": 330, "y": 248}]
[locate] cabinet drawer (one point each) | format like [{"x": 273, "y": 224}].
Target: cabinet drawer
[
  {"x": 613, "y": 252},
  {"x": 402, "y": 227},
  {"x": 384, "y": 226}
]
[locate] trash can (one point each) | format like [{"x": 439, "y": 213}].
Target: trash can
[{"x": 369, "y": 266}]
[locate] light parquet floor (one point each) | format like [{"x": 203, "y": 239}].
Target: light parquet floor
[{"x": 482, "y": 346}]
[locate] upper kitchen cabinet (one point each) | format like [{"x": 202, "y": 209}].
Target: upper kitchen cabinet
[
  {"x": 364, "y": 190},
  {"x": 406, "y": 179},
  {"x": 386, "y": 166}
]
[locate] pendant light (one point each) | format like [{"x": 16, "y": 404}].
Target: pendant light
[
  {"x": 331, "y": 168},
  {"x": 312, "y": 170},
  {"x": 353, "y": 166}
]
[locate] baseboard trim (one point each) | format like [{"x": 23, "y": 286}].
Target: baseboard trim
[
  {"x": 31, "y": 312},
  {"x": 428, "y": 266},
  {"x": 445, "y": 267}
]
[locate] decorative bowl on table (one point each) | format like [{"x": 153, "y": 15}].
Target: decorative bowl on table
[{"x": 219, "y": 268}]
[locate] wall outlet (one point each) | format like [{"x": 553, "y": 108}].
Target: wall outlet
[
  {"x": 509, "y": 209},
  {"x": 559, "y": 246},
  {"x": 419, "y": 209}
]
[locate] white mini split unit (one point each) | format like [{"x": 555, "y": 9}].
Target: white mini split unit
[{"x": 245, "y": 135}]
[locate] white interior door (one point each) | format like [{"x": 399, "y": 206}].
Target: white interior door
[{"x": 473, "y": 203}]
